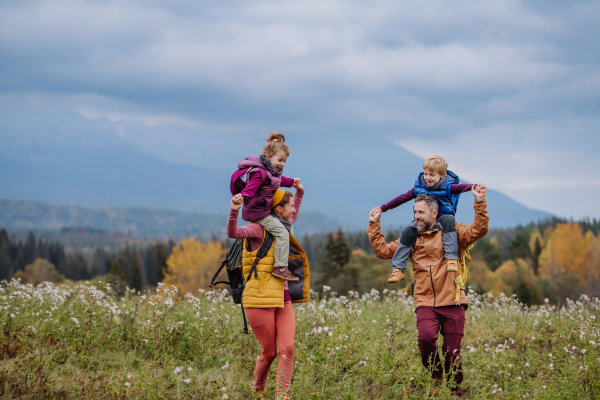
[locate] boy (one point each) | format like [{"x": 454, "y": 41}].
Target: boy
[{"x": 443, "y": 185}]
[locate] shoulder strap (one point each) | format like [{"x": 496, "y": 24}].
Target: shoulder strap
[
  {"x": 212, "y": 282},
  {"x": 261, "y": 253}
]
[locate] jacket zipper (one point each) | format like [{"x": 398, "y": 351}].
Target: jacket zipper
[{"x": 432, "y": 287}]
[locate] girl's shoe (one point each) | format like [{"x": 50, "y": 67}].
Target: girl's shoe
[
  {"x": 285, "y": 274},
  {"x": 452, "y": 266}
]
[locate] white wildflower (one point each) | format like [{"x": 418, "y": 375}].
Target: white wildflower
[
  {"x": 178, "y": 370},
  {"x": 127, "y": 384},
  {"x": 226, "y": 366},
  {"x": 187, "y": 380}
]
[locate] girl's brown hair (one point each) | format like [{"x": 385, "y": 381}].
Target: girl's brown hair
[
  {"x": 275, "y": 143},
  {"x": 287, "y": 197}
]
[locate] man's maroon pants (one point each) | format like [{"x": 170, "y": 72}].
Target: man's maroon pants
[{"x": 451, "y": 320}]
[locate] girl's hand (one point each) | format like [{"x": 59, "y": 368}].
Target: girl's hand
[
  {"x": 298, "y": 184},
  {"x": 237, "y": 201}
]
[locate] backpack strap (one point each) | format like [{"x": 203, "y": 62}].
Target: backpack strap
[
  {"x": 261, "y": 253},
  {"x": 244, "y": 316},
  {"x": 212, "y": 282}
]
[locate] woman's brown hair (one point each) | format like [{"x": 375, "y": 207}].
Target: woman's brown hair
[{"x": 275, "y": 143}]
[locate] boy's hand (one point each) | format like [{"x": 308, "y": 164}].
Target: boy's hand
[
  {"x": 237, "y": 201},
  {"x": 479, "y": 190},
  {"x": 298, "y": 184},
  {"x": 375, "y": 214}
]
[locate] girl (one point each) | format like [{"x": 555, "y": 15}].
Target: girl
[{"x": 264, "y": 177}]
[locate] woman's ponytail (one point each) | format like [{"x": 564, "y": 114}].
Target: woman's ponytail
[{"x": 275, "y": 143}]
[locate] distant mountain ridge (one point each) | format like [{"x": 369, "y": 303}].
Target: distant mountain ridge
[
  {"x": 82, "y": 162},
  {"x": 22, "y": 215}
]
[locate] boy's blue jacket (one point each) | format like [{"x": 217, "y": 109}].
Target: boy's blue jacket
[{"x": 448, "y": 201}]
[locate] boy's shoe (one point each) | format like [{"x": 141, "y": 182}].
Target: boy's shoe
[
  {"x": 397, "y": 276},
  {"x": 452, "y": 266},
  {"x": 285, "y": 274}
]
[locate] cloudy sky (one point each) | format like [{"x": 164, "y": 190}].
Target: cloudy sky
[{"x": 508, "y": 91}]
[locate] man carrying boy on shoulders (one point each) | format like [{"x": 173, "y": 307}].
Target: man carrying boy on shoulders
[{"x": 435, "y": 289}]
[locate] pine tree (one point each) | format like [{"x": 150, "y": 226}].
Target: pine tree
[
  {"x": 537, "y": 251},
  {"x": 337, "y": 254},
  {"x": 116, "y": 271},
  {"x": 137, "y": 280},
  {"x": 161, "y": 254}
]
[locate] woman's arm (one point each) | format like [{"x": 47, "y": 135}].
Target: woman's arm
[
  {"x": 297, "y": 199},
  {"x": 241, "y": 232}
]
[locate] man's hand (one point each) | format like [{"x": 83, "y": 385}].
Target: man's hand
[
  {"x": 479, "y": 190},
  {"x": 375, "y": 214},
  {"x": 237, "y": 201},
  {"x": 298, "y": 184}
]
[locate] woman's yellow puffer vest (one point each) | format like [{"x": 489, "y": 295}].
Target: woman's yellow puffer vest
[{"x": 266, "y": 291}]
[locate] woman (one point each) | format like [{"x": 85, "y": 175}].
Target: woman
[{"x": 267, "y": 299}]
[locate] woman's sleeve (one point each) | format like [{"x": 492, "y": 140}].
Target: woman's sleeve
[
  {"x": 242, "y": 232},
  {"x": 297, "y": 201}
]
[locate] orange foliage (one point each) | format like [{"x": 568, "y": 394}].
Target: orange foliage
[{"x": 190, "y": 267}]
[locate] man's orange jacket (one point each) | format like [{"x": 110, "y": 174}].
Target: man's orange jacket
[{"x": 434, "y": 286}]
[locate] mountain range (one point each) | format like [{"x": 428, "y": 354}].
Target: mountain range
[{"x": 67, "y": 159}]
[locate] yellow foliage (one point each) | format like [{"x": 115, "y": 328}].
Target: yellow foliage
[
  {"x": 567, "y": 251},
  {"x": 535, "y": 234},
  {"x": 481, "y": 277},
  {"x": 191, "y": 265}
]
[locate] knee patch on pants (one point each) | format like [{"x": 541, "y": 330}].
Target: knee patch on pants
[
  {"x": 409, "y": 236},
  {"x": 447, "y": 223}
]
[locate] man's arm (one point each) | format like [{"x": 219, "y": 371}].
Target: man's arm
[
  {"x": 469, "y": 234},
  {"x": 380, "y": 247}
]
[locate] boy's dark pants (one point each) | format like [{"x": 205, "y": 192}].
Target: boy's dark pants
[{"x": 451, "y": 320}]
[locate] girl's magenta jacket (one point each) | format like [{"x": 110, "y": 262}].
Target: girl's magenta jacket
[{"x": 258, "y": 191}]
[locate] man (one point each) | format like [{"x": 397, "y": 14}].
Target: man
[{"x": 434, "y": 288}]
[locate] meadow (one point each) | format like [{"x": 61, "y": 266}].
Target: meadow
[{"x": 82, "y": 341}]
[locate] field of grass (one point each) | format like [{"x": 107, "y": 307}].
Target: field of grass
[{"x": 84, "y": 342}]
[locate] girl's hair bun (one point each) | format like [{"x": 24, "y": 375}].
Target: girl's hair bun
[
  {"x": 275, "y": 143},
  {"x": 276, "y": 137}
]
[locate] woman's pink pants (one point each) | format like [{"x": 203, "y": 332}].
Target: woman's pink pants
[{"x": 275, "y": 329}]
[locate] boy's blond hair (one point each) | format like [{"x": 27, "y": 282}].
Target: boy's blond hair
[{"x": 436, "y": 164}]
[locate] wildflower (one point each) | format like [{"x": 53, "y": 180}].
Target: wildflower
[
  {"x": 326, "y": 288},
  {"x": 178, "y": 370},
  {"x": 128, "y": 377},
  {"x": 551, "y": 366},
  {"x": 330, "y": 333},
  {"x": 550, "y": 355},
  {"x": 543, "y": 387},
  {"x": 189, "y": 369},
  {"x": 526, "y": 365},
  {"x": 169, "y": 302},
  {"x": 362, "y": 363},
  {"x": 224, "y": 367},
  {"x": 187, "y": 380},
  {"x": 75, "y": 320},
  {"x": 145, "y": 341},
  {"x": 127, "y": 384},
  {"x": 592, "y": 343},
  {"x": 12, "y": 315},
  {"x": 582, "y": 351}
]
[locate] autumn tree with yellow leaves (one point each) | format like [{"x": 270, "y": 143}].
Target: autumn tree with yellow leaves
[{"x": 192, "y": 263}]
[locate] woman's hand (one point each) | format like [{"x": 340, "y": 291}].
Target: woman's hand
[
  {"x": 237, "y": 201},
  {"x": 298, "y": 184}
]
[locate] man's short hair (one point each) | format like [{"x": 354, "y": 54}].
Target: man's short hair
[
  {"x": 436, "y": 164},
  {"x": 431, "y": 202}
]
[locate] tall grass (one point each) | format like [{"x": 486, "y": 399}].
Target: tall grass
[{"x": 85, "y": 342}]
